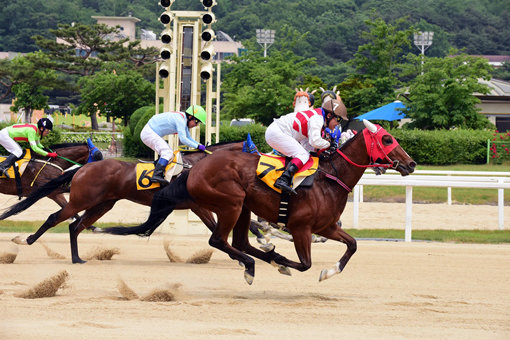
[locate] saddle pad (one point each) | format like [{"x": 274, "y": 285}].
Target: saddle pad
[
  {"x": 22, "y": 164},
  {"x": 144, "y": 172},
  {"x": 270, "y": 168}
]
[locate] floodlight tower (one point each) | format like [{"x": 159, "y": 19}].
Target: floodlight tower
[
  {"x": 423, "y": 40},
  {"x": 265, "y": 38}
]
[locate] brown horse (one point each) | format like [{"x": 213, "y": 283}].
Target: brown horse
[
  {"x": 40, "y": 170},
  {"x": 96, "y": 187},
  {"x": 226, "y": 184}
]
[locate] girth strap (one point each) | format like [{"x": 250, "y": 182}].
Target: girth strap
[
  {"x": 17, "y": 178},
  {"x": 283, "y": 211}
]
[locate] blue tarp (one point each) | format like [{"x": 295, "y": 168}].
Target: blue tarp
[{"x": 387, "y": 112}]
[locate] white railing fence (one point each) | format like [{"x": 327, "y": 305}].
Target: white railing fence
[{"x": 435, "y": 178}]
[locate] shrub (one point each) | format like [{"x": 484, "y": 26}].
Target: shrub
[
  {"x": 499, "y": 147},
  {"x": 443, "y": 147}
]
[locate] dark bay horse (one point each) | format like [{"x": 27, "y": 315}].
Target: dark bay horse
[
  {"x": 226, "y": 184},
  {"x": 96, "y": 187},
  {"x": 41, "y": 170}
]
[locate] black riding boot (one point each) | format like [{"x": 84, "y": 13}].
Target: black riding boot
[
  {"x": 159, "y": 174},
  {"x": 284, "y": 182},
  {"x": 6, "y": 164}
]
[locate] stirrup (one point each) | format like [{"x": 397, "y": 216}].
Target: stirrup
[
  {"x": 160, "y": 180},
  {"x": 5, "y": 172},
  {"x": 285, "y": 188}
]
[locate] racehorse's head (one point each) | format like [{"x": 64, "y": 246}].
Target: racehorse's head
[
  {"x": 330, "y": 94},
  {"x": 384, "y": 150}
]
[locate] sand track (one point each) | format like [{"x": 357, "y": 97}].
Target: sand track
[{"x": 389, "y": 290}]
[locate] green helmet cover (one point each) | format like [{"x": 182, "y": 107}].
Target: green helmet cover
[{"x": 198, "y": 112}]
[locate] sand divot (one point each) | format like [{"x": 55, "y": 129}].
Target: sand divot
[
  {"x": 9, "y": 255},
  {"x": 52, "y": 254},
  {"x": 171, "y": 256},
  {"x": 165, "y": 294},
  {"x": 200, "y": 257},
  {"x": 126, "y": 292},
  {"x": 46, "y": 288},
  {"x": 102, "y": 254},
  {"x": 162, "y": 294}
]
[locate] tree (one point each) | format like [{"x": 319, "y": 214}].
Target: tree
[
  {"x": 23, "y": 77},
  {"x": 82, "y": 50},
  {"x": 115, "y": 93},
  {"x": 262, "y": 88},
  {"x": 502, "y": 72},
  {"x": 28, "y": 98},
  {"x": 442, "y": 97},
  {"x": 377, "y": 65}
]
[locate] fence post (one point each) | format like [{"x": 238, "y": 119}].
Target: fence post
[
  {"x": 409, "y": 212},
  {"x": 501, "y": 206},
  {"x": 488, "y": 149},
  {"x": 355, "y": 203}
]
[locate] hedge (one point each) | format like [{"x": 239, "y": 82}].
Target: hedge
[{"x": 444, "y": 147}]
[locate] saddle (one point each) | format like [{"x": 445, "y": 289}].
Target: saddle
[
  {"x": 144, "y": 172},
  {"x": 270, "y": 168},
  {"x": 21, "y": 164}
]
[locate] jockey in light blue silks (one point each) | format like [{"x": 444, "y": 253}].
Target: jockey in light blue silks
[{"x": 168, "y": 123}]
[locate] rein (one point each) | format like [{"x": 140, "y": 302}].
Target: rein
[
  {"x": 393, "y": 165},
  {"x": 54, "y": 165}
]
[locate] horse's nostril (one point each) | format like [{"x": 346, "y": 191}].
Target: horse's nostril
[{"x": 412, "y": 165}]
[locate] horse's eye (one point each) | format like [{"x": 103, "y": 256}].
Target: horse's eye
[{"x": 387, "y": 140}]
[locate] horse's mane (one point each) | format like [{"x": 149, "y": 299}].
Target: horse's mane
[
  {"x": 66, "y": 145},
  {"x": 349, "y": 141}
]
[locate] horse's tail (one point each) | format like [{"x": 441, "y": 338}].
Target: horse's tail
[
  {"x": 41, "y": 192},
  {"x": 163, "y": 203}
]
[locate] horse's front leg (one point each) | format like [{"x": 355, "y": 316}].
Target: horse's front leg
[
  {"x": 335, "y": 232},
  {"x": 90, "y": 216},
  {"x": 303, "y": 244},
  {"x": 241, "y": 242},
  {"x": 227, "y": 220}
]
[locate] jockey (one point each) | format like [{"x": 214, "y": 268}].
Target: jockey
[
  {"x": 296, "y": 134},
  {"x": 167, "y": 123},
  {"x": 24, "y": 132}
]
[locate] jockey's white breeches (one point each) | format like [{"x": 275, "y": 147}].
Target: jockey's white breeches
[
  {"x": 156, "y": 143},
  {"x": 10, "y": 144},
  {"x": 285, "y": 143}
]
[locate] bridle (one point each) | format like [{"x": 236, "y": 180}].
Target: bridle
[{"x": 374, "y": 147}]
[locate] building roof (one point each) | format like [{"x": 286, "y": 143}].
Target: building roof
[
  {"x": 129, "y": 18},
  {"x": 499, "y": 88}
]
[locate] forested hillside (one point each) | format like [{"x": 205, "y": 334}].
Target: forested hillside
[{"x": 333, "y": 26}]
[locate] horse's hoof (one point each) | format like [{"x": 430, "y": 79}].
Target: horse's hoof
[
  {"x": 241, "y": 264},
  {"x": 248, "y": 277},
  {"x": 324, "y": 275},
  {"x": 261, "y": 240},
  {"x": 97, "y": 230},
  {"x": 19, "y": 240},
  {"x": 267, "y": 247},
  {"x": 284, "y": 270},
  {"x": 78, "y": 260}
]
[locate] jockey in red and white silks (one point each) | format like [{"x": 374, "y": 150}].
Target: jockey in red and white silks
[{"x": 297, "y": 133}]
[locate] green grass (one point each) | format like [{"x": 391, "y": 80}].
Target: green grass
[
  {"x": 440, "y": 195},
  {"x": 455, "y": 236},
  {"x": 32, "y": 226}
]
